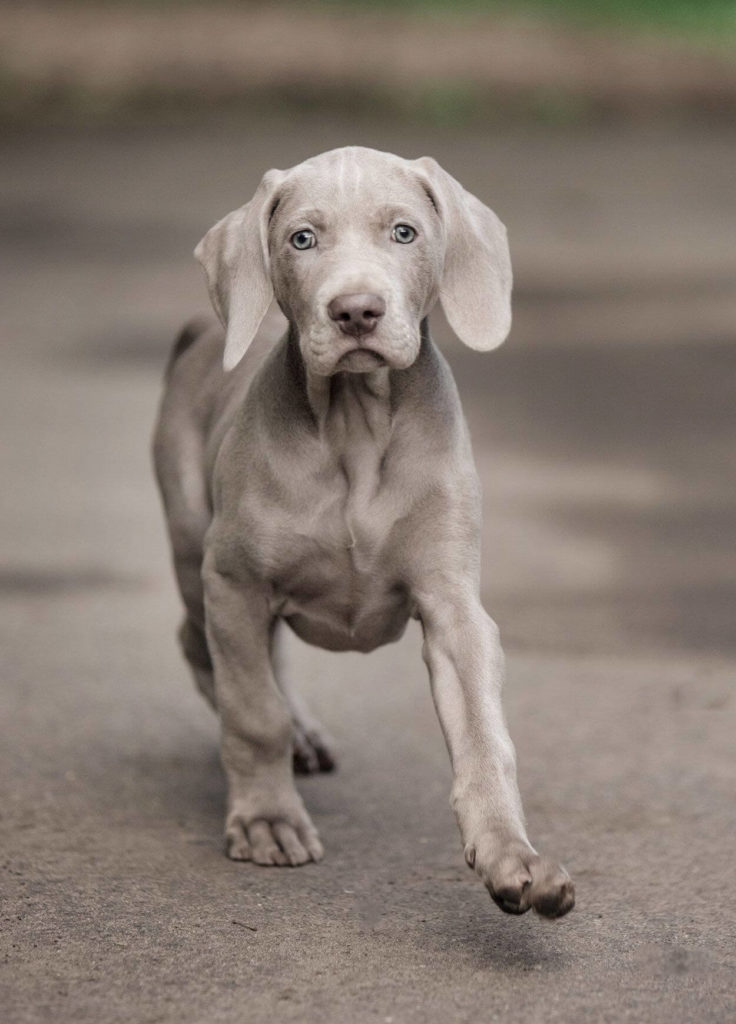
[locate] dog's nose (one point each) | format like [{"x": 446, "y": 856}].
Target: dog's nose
[{"x": 357, "y": 314}]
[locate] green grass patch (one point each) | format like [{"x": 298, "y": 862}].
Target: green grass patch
[
  {"x": 712, "y": 19},
  {"x": 687, "y": 17}
]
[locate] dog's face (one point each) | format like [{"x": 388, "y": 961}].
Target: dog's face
[
  {"x": 356, "y": 252},
  {"x": 357, "y": 246}
]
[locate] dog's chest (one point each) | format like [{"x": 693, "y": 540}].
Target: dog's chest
[
  {"x": 328, "y": 544},
  {"x": 334, "y": 569}
]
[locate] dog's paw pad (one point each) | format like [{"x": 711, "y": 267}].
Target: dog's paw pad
[{"x": 519, "y": 879}]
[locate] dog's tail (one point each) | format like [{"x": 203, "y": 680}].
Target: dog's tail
[{"x": 189, "y": 333}]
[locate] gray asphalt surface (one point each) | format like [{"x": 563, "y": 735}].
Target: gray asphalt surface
[{"x": 604, "y": 433}]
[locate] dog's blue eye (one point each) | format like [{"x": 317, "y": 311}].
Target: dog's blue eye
[
  {"x": 304, "y": 239},
  {"x": 403, "y": 233}
]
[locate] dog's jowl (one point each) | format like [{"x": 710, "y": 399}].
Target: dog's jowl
[{"x": 324, "y": 479}]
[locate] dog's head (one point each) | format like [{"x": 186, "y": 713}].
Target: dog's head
[{"x": 357, "y": 246}]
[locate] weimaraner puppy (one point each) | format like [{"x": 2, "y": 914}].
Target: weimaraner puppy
[{"x": 326, "y": 480}]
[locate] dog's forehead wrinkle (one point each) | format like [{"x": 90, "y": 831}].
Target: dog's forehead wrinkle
[
  {"x": 351, "y": 178},
  {"x": 350, "y": 157}
]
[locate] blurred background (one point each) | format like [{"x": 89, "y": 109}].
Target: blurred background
[{"x": 603, "y": 135}]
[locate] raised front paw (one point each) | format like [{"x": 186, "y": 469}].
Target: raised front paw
[
  {"x": 286, "y": 838},
  {"x": 518, "y": 878}
]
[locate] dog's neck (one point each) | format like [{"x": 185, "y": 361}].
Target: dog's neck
[
  {"x": 353, "y": 414},
  {"x": 344, "y": 406},
  {"x": 345, "y": 399},
  {"x": 347, "y": 395}
]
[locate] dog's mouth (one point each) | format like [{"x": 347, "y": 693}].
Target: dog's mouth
[{"x": 360, "y": 360}]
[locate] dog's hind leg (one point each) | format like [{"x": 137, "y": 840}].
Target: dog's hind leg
[
  {"x": 194, "y": 645},
  {"x": 179, "y": 457},
  {"x": 312, "y": 746}
]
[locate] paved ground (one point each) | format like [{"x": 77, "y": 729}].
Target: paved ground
[{"x": 604, "y": 432}]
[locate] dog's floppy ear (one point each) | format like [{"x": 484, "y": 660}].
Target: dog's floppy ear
[
  {"x": 475, "y": 290},
  {"x": 234, "y": 255}
]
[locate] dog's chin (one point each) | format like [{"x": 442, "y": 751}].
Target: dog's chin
[
  {"x": 360, "y": 360},
  {"x": 329, "y": 352}
]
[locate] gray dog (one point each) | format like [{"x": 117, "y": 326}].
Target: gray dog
[{"x": 326, "y": 480}]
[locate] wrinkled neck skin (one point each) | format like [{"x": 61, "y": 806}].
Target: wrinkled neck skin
[{"x": 352, "y": 413}]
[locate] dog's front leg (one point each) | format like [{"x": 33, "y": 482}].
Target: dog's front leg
[
  {"x": 463, "y": 653},
  {"x": 266, "y": 819}
]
